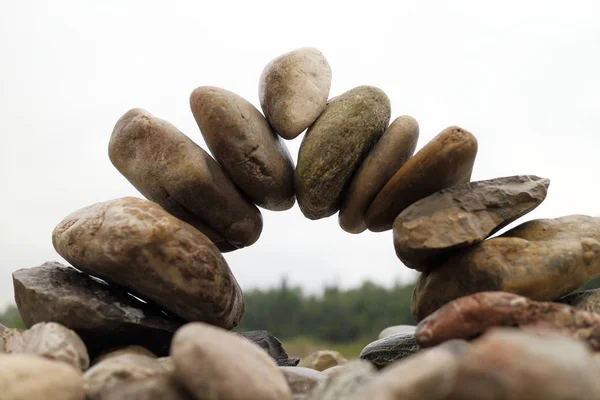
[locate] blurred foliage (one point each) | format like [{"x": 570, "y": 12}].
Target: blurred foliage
[
  {"x": 335, "y": 316},
  {"x": 11, "y": 318}
]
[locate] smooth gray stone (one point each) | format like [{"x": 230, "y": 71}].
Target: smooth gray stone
[{"x": 389, "y": 349}]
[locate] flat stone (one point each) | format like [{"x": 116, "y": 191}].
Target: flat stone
[
  {"x": 114, "y": 370},
  {"x": 513, "y": 365},
  {"x": 26, "y": 376},
  {"x": 334, "y": 147},
  {"x": 445, "y": 161},
  {"x": 472, "y": 315},
  {"x": 54, "y": 342},
  {"x": 322, "y": 360},
  {"x": 102, "y": 315},
  {"x": 392, "y": 330},
  {"x": 392, "y": 151},
  {"x": 242, "y": 141},
  {"x": 430, "y": 375},
  {"x": 136, "y": 244},
  {"x": 138, "y": 350},
  {"x": 347, "y": 384},
  {"x": 554, "y": 257},
  {"x": 293, "y": 90},
  {"x": 158, "y": 387},
  {"x": 462, "y": 215},
  {"x": 168, "y": 168},
  {"x": 302, "y": 380},
  {"x": 588, "y": 300},
  {"x": 392, "y": 348},
  {"x": 213, "y": 363},
  {"x": 272, "y": 346}
]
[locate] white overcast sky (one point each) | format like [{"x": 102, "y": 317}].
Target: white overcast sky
[{"x": 523, "y": 76}]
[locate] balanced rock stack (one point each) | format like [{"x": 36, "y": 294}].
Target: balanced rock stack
[{"x": 167, "y": 251}]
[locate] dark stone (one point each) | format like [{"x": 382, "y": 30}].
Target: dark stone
[
  {"x": 102, "y": 315},
  {"x": 272, "y": 346},
  {"x": 389, "y": 349},
  {"x": 463, "y": 215}
]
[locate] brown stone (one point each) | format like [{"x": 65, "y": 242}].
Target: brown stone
[
  {"x": 472, "y": 315},
  {"x": 142, "y": 351},
  {"x": 541, "y": 259},
  {"x": 513, "y": 365},
  {"x": 242, "y": 141},
  {"x": 429, "y": 375},
  {"x": 463, "y": 215},
  {"x": 293, "y": 90},
  {"x": 302, "y": 380},
  {"x": 346, "y": 385},
  {"x": 54, "y": 342},
  {"x": 211, "y": 363},
  {"x": 445, "y": 161},
  {"x": 29, "y": 377},
  {"x": 588, "y": 300},
  {"x": 335, "y": 145},
  {"x": 392, "y": 151},
  {"x": 103, "y": 316},
  {"x": 168, "y": 168},
  {"x": 112, "y": 371},
  {"x": 322, "y": 360},
  {"x": 158, "y": 387},
  {"x": 138, "y": 245}
]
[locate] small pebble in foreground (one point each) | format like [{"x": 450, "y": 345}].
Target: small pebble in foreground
[
  {"x": 293, "y": 90},
  {"x": 508, "y": 364},
  {"x": 29, "y": 377},
  {"x": 445, "y": 161},
  {"x": 211, "y": 363}
]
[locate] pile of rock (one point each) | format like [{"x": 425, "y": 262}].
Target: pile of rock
[{"x": 150, "y": 298}]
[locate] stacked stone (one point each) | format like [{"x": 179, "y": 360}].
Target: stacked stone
[{"x": 151, "y": 298}]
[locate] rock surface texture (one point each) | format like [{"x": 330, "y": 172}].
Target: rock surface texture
[
  {"x": 347, "y": 384},
  {"x": 302, "y": 380},
  {"x": 168, "y": 168},
  {"x": 102, "y": 315},
  {"x": 588, "y": 300},
  {"x": 463, "y": 215},
  {"x": 445, "y": 161},
  {"x": 293, "y": 90},
  {"x": 272, "y": 346},
  {"x": 540, "y": 259},
  {"x": 138, "y": 245},
  {"x": 392, "y": 151},
  {"x": 392, "y": 348},
  {"x": 243, "y": 143},
  {"x": 322, "y": 360},
  {"x": 513, "y": 365},
  {"x": 29, "y": 377},
  {"x": 211, "y": 363},
  {"x": 392, "y": 330},
  {"x": 472, "y": 315},
  {"x": 335, "y": 145}
]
